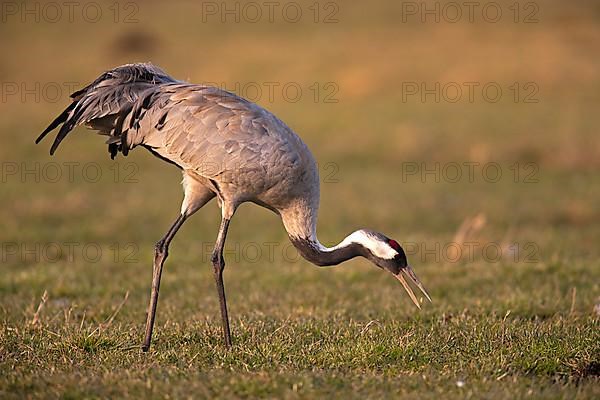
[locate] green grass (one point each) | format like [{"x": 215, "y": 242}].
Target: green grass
[
  {"x": 301, "y": 332},
  {"x": 523, "y": 325}
]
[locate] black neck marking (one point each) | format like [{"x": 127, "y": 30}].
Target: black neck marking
[{"x": 311, "y": 252}]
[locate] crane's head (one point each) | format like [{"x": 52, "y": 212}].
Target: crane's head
[{"x": 387, "y": 253}]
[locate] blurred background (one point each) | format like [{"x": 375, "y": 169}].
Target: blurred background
[
  {"x": 437, "y": 123},
  {"x": 421, "y": 114}
]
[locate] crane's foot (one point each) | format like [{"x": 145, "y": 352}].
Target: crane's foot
[{"x": 227, "y": 335}]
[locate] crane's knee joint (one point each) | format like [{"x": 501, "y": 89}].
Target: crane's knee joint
[
  {"x": 218, "y": 262},
  {"x": 160, "y": 248}
]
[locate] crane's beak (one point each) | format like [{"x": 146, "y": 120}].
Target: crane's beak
[{"x": 411, "y": 275}]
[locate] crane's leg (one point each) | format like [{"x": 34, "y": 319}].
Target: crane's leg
[
  {"x": 161, "y": 251},
  {"x": 196, "y": 196},
  {"x": 218, "y": 266}
]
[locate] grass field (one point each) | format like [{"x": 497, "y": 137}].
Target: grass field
[{"x": 512, "y": 262}]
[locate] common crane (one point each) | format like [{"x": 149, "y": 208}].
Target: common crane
[{"x": 226, "y": 147}]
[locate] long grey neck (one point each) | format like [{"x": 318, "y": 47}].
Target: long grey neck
[
  {"x": 316, "y": 253},
  {"x": 300, "y": 221}
]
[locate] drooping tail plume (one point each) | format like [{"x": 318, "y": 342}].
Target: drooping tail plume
[{"x": 104, "y": 104}]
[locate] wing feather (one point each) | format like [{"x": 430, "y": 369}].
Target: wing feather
[
  {"x": 199, "y": 128},
  {"x": 106, "y": 100}
]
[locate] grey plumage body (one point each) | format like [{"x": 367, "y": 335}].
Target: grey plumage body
[
  {"x": 234, "y": 149},
  {"x": 226, "y": 147}
]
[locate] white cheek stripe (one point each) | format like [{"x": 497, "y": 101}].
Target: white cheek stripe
[{"x": 377, "y": 247}]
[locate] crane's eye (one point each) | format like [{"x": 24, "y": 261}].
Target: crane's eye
[{"x": 394, "y": 244}]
